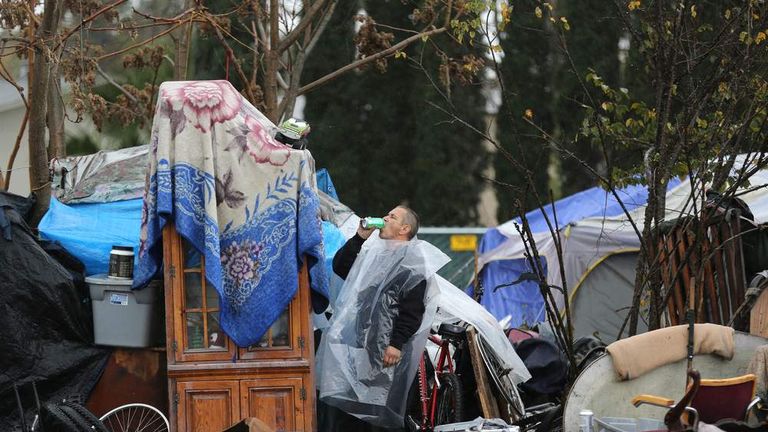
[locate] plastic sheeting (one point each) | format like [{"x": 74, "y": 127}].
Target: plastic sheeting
[
  {"x": 349, "y": 362},
  {"x": 454, "y": 304},
  {"x": 89, "y": 231},
  {"x": 47, "y": 332},
  {"x": 104, "y": 176}
]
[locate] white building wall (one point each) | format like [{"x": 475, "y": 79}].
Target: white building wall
[{"x": 10, "y": 122}]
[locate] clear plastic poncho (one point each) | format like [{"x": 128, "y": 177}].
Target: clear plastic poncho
[{"x": 350, "y": 374}]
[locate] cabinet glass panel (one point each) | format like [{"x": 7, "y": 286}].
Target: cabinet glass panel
[
  {"x": 215, "y": 334},
  {"x": 201, "y": 306},
  {"x": 192, "y": 258},
  {"x": 211, "y": 297},
  {"x": 278, "y": 336},
  {"x": 195, "y": 331},
  {"x": 193, "y": 290}
]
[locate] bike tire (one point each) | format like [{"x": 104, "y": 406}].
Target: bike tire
[
  {"x": 413, "y": 416},
  {"x": 93, "y": 422},
  {"x": 503, "y": 382},
  {"x": 450, "y": 400},
  {"x": 56, "y": 420},
  {"x": 135, "y": 417},
  {"x": 82, "y": 424}
]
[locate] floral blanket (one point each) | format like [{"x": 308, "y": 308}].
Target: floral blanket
[{"x": 246, "y": 202}]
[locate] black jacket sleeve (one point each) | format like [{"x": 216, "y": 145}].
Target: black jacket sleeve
[
  {"x": 346, "y": 256},
  {"x": 409, "y": 318}
]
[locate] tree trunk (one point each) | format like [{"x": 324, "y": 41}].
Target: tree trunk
[
  {"x": 182, "y": 47},
  {"x": 272, "y": 59},
  {"x": 55, "y": 121},
  {"x": 38, "y": 155}
]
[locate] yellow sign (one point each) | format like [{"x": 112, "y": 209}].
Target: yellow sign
[{"x": 463, "y": 242}]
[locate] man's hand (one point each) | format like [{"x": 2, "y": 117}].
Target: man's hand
[
  {"x": 391, "y": 356},
  {"x": 364, "y": 233}
]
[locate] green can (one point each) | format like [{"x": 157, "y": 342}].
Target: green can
[{"x": 372, "y": 222}]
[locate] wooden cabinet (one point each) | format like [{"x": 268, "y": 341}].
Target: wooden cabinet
[{"x": 214, "y": 384}]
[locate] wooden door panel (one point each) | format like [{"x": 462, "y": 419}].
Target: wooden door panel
[
  {"x": 296, "y": 345},
  {"x": 208, "y": 406},
  {"x": 275, "y": 401}
]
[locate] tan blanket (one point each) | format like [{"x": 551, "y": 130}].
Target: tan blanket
[{"x": 637, "y": 355}]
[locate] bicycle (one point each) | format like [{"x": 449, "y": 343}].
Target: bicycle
[
  {"x": 440, "y": 392},
  {"x": 71, "y": 416}
]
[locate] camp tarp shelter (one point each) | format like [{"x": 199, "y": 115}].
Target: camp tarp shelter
[
  {"x": 591, "y": 242},
  {"x": 45, "y": 315}
]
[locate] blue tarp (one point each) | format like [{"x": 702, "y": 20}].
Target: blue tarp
[
  {"x": 522, "y": 303},
  {"x": 89, "y": 231}
]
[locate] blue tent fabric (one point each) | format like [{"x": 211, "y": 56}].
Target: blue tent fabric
[
  {"x": 516, "y": 305},
  {"x": 88, "y": 231},
  {"x": 522, "y": 303}
]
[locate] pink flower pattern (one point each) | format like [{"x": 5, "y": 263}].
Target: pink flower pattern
[
  {"x": 262, "y": 147},
  {"x": 204, "y": 103},
  {"x": 240, "y": 261}
]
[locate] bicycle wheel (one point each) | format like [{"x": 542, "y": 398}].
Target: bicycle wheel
[
  {"x": 86, "y": 422},
  {"x": 135, "y": 417},
  {"x": 450, "y": 400},
  {"x": 503, "y": 381},
  {"x": 55, "y": 419}
]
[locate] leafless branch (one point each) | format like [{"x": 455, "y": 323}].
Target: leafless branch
[
  {"x": 86, "y": 20},
  {"x": 114, "y": 83},
  {"x": 307, "y": 19},
  {"x": 385, "y": 53}
]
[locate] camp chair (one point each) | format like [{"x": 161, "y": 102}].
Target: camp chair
[{"x": 715, "y": 399}]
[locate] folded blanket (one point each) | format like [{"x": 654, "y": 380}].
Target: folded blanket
[{"x": 634, "y": 356}]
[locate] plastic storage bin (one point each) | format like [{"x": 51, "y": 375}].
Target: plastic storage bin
[{"x": 121, "y": 316}]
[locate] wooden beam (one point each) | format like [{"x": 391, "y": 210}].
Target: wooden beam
[{"x": 488, "y": 402}]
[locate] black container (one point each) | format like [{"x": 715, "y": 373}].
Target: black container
[{"x": 121, "y": 262}]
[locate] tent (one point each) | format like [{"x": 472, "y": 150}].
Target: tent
[
  {"x": 501, "y": 250},
  {"x": 600, "y": 249}
]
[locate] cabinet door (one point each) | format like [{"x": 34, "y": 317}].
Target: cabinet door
[
  {"x": 278, "y": 402},
  {"x": 290, "y": 336},
  {"x": 207, "y": 406},
  {"x": 196, "y": 331}
]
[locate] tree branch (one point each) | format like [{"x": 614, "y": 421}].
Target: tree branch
[
  {"x": 291, "y": 37},
  {"x": 16, "y": 147},
  {"x": 90, "y": 18},
  {"x": 114, "y": 83},
  {"x": 387, "y": 52},
  {"x": 238, "y": 68},
  {"x": 142, "y": 43}
]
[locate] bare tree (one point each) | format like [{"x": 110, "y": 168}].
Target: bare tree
[{"x": 282, "y": 34}]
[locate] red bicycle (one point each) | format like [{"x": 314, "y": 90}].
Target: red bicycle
[{"x": 439, "y": 388}]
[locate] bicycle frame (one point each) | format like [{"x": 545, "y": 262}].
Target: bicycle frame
[{"x": 444, "y": 365}]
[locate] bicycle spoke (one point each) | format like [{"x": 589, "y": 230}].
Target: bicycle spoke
[{"x": 136, "y": 418}]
